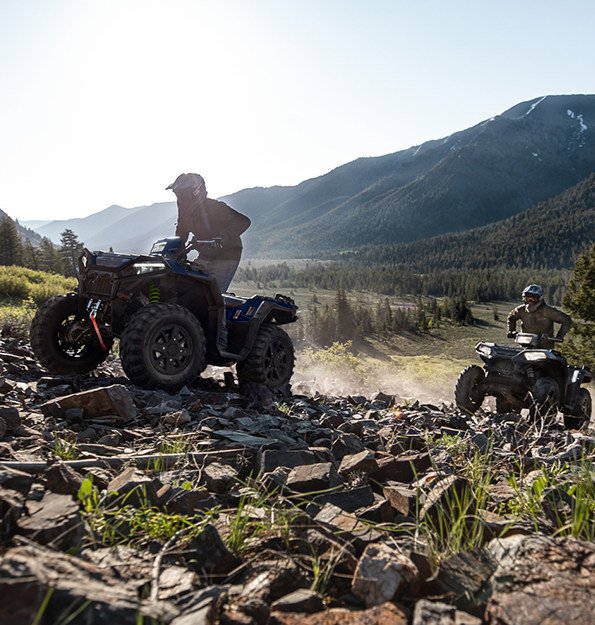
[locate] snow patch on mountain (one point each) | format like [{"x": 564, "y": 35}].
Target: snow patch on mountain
[{"x": 532, "y": 107}]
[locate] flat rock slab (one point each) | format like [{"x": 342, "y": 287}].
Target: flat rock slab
[{"x": 114, "y": 400}]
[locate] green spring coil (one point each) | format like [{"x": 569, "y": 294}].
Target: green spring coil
[{"x": 154, "y": 294}]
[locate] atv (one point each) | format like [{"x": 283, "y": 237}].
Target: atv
[
  {"x": 169, "y": 317},
  {"x": 524, "y": 376}
]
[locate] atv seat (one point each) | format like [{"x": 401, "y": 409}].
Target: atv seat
[{"x": 231, "y": 301}]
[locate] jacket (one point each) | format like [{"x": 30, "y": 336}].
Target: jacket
[
  {"x": 211, "y": 219},
  {"x": 540, "y": 321}
]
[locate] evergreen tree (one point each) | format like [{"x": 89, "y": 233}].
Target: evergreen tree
[
  {"x": 49, "y": 257},
  {"x": 70, "y": 250},
  {"x": 579, "y": 300},
  {"x": 10, "y": 243}
]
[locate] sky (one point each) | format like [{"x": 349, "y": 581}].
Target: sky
[{"x": 106, "y": 101}]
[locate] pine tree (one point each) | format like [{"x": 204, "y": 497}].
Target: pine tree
[
  {"x": 10, "y": 243},
  {"x": 70, "y": 250},
  {"x": 49, "y": 257},
  {"x": 579, "y": 300}
]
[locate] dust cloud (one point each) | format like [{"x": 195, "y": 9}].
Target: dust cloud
[{"x": 338, "y": 380}]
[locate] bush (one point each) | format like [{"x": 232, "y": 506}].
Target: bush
[
  {"x": 20, "y": 283},
  {"x": 15, "y": 321}
]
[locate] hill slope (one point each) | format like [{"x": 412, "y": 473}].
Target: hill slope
[
  {"x": 549, "y": 235},
  {"x": 484, "y": 174}
]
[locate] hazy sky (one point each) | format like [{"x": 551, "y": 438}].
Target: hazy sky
[{"x": 105, "y": 101}]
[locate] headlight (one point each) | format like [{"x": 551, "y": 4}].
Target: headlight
[
  {"x": 147, "y": 267},
  {"x": 535, "y": 356},
  {"x": 485, "y": 350}
]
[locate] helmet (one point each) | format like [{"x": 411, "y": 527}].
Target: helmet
[
  {"x": 533, "y": 290},
  {"x": 193, "y": 183}
]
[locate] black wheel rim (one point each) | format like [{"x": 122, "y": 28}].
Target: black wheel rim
[
  {"x": 171, "y": 349},
  {"x": 72, "y": 339},
  {"x": 277, "y": 362}
]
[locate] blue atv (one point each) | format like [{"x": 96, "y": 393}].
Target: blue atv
[{"x": 168, "y": 315}]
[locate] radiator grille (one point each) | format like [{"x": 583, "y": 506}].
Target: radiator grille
[{"x": 97, "y": 284}]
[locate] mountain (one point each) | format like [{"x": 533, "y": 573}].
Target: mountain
[
  {"x": 84, "y": 227},
  {"x": 480, "y": 175},
  {"x": 549, "y": 235},
  {"x": 24, "y": 232}
]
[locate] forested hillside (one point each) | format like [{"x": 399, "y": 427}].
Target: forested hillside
[{"x": 549, "y": 235}]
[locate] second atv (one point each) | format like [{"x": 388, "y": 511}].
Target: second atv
[
  {"x": 523, "y": 376},
  {"x": 168, "y": 315}
]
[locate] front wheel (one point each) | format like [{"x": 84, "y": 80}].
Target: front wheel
[
  {"x": 584, "y": 406},
  {"x": 271, "y": 360},
  {"x": 504, "y": 406},
  {"x": 163, "y": 345},
  {"x": 469, "y": 394},
  {"x": 63, "y": 340}
]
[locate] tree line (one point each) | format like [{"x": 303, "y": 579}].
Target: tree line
[{"x": 16, "y": 250}]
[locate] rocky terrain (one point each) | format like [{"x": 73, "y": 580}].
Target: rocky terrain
[{"x": 215, "y": 507}]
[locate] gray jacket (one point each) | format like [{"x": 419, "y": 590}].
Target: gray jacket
[{"x": 540, "y": 321}]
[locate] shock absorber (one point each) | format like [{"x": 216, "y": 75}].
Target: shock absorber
[
  {"x": 530, "y": 375},
  {"x": 154, "y": 294}
]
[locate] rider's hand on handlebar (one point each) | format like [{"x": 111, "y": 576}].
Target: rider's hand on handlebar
[
  {"x": 511, "y": 334},
  {"x": 218, "y": 243}
]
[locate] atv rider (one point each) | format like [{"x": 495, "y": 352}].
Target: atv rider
[
  {"x": 538, "y": 318},
  {"x": 213, "y": 221},
  {"x": 210, "y": 220}
]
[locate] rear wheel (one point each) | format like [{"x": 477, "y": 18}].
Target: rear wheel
[
  {"x": 63, "y": 340},
  {"x": 163, "y": 345},
  {"x": 271, "y": 360},
  {"x": 545, "y": 399},
  {"x": 583, "y": 412},
  {"x": 469, "y": 394}
]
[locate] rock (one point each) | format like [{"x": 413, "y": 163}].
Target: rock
[
  {"x": 206, "y": 554},
  {"x": 219, "y": 478},
  {"x": 302, "y": 600},
  {"x": 345, "y": 444},
  {"x": 386, "y": 614},
  {"x": 404, "y": 468},
  {"x": 313, "y": 477},
  {"x": 349, "y": 500},
  {"x": 401, "y": 498},
  {"x": 62, "y": 479},
  {"x": 11, "y": 417},
  {"x": 177, "y": 418},
  {"x": 3, "y": 428},
  {"x": 381, "y": 573},
  {"x": 133, "y": 488},
  {"x": 178, "y": 500},
  {"x": 11, "y": 506},
  {"x": 114, "y": 400},
  {"x": 346, "y": 526},
  {"x": 270, "y": 459},
  {"x": 436, "y": 613},
  {"x": 448, "y": 498},
  {"x": 53, "y": 521},
  {"x": 362, "y": 462},
  {"x": 27, "y": 574},
  {"x": 14, "y": 479},
  {"x": 542, "y": 581}
]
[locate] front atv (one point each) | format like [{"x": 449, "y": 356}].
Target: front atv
[
  {"x": 168, "y": 314},
  {"x": 523, "y": 376}
]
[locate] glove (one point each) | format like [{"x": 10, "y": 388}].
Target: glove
[
  {"x": 218, "y": 243},
  {"x": 560, "y": 339},
  {"x": 511, "y": 334}
]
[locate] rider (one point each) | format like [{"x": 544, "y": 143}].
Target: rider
[
  {"x": 210, "y": 220},
  {"x": 215, "y": 221},
  {"x": 537, "y": 317}
]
